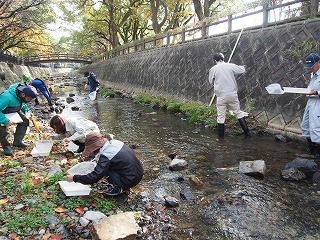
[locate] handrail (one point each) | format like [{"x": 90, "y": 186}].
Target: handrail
[
  {"x": 58, "y": 56},
  {"x": 287, "y": 12}
]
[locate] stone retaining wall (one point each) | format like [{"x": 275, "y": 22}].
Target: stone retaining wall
[
  {"x": 14, "y": 73},
  {"x": 271, "y": 55}
]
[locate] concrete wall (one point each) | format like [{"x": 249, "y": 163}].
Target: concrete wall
[
  {"x": 14, "y": 73},
  {"x": 271, "y": 55}
]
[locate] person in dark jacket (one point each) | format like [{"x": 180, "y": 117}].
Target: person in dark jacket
[
  {"x": 116, "y": 161},
  {"x": 92, "y": 82},
  {"x": 13, "y": 100}
]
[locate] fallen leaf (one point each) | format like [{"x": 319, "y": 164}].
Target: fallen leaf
[
  {"x": 57, "y": 237},
  {"x": 5, "y": 200},
  {"x": 59, "y": 209},
  {"x": 80, "y": 210},
  {"x": 46, "y": 236}
]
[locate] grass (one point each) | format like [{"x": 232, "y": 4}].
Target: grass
[
  {"x": 29, "y": 198},
  {"x": 196, "y": 113}
]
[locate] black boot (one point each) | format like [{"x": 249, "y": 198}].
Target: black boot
[
  {"x": 4, "y": 141},
  {"x": 313, "y": 147},
  {"x": 81, "y": 146},
  {"x": 220, "y": 130},
  {"x": 19, "y": 135},
  {"x": 317, "y": 152},
  {"x": 244, "y": 126}
]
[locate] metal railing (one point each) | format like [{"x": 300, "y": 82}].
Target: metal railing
[{"x": 256, "y": 17}]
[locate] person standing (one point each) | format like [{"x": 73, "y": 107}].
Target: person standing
[
  {"x": 13, "y": 100},
  {"x": 226, "y": 89},
  {"x": 116, "y": 161},
  {"x": 75, "y": 129},
  {"x": 310, "y": 125}
]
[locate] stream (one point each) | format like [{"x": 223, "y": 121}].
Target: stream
[{"x": 228, "y": 205}]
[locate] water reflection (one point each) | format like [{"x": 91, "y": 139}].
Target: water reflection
[{"x": 228, "y": 205}]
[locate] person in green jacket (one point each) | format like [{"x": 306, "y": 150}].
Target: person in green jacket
[{"x": 13, "y": 100}]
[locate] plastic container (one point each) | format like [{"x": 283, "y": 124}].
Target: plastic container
[
  {"x": 42, "y": 148},
  {"x": 74, "y": 189}
]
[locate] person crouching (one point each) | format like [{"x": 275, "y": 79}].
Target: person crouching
[{"x": 116, "y": 161}]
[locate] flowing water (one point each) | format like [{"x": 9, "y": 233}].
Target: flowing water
[{"x": 228, "y": 205}]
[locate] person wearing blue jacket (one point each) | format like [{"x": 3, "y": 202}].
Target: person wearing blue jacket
[
  {"x": 115, "y": 160},
  {"x": 40, "y": 85},
  {"x": 13, "y": 100}
]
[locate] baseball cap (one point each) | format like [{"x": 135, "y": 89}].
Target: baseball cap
[
  {"x": 311, "y": 60},
  {"x": 28, "y": 90}
]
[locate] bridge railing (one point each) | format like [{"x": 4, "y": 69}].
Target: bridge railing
[
  {"x": 256, "y": 17},
  {"x": 56, "y": 56},
  {"x": 9, "y": 58}
]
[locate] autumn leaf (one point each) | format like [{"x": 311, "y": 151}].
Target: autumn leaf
[
  {"x": 80, "y": 210},
  {"x": 57, "y": 237},
  {"x": 46, "y": 236},
  {"x": 59, "y": 209},
  {"x": 5, "y": 200}
]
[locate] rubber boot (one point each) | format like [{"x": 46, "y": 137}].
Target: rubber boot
[
  {"x": 317, "y": 153},
  {"x": 4, "y": 141},
  {"x": 313, "y": 147},
  {"x": 244, "y": 126},
  {"x": 19, "y": 135},
  {"x": 220, "y": 130}
]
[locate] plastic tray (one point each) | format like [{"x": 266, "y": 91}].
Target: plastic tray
[
  {"x": 296, "y": 90},
  {"x": 74, "y": 189},
  {"x": 42, "y": 148}
]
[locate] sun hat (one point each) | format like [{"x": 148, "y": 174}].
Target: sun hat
[
  {"x": 93, "y": 141},
  {"x": 218, "y": 56},
  {"x": 311, "y": 60}
]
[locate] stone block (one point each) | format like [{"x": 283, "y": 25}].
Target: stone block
[{"x": 121, "y": 226}]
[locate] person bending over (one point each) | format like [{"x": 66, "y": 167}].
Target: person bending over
[{"x": 116, "y": 161}]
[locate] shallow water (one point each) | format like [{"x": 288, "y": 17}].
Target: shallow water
[{"x": 229, "y": 205}]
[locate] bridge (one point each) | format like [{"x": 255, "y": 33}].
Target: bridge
[{"x": 57, "y": 57}]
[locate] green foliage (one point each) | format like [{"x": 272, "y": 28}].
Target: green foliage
[
  {"x": 145, "y": 98},
  {"x": 33, "y": 217},
  {"x": 8, "y": 184},
  {"x": 107, "y": 92},
  {"x": 26, "y": 184},
  {"x": 55, "y": 178},
  {"x": 8, "y": 163},
  {"x": 195, "y": 112}
]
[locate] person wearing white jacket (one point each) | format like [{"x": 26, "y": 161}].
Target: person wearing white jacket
[
  {"x": 310, "y": 125},
  {"x": 226, "y": 89},
  {"x": 75, "y": 129}
]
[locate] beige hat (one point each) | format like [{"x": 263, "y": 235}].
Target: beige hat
[{"x": 93, "y": 142}]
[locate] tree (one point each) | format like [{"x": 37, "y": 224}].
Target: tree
[
  {"x": 23, "y": 24},
  {"x": 169, "y": 14}
]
